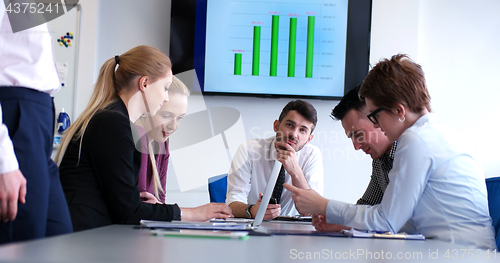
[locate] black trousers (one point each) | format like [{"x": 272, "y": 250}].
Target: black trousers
[{"x": 29, "y": 116}]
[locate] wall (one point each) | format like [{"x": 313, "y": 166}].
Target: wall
[
  {"x": 459, "y": 49},
  {"x": 125, "y": 24},
  {"x": 87, "y": 53},
  {"x": 456, "y": 43},
  {"x": 112, "y": 27},
  {"x": 394, "y": 28}
]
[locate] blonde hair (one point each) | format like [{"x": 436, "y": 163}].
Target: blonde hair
[
  {"x": 177, "y": 87},
  {"x": 138, "y": 61}
]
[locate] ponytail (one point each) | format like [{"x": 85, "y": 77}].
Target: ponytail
[
  {"x": 104, "y": 93},
  {"x": 139, "y": 61}
]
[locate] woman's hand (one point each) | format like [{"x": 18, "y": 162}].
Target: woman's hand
[
  {"x": 206, "y": 212},
  {"x": 149, "y": 198}
]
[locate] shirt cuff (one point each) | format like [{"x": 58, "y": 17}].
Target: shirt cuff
[
  {"x": 8, "y": 160},
  {"x": 176, "y": 212},
  {"x": 334, "y": 212}
]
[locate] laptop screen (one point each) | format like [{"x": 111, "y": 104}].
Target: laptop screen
[{"x": 267, "y": 194}]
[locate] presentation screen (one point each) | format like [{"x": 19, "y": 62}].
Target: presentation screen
[{"x": 278, "y": 48}]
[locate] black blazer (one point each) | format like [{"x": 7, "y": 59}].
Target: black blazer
[{"x": 101, "y": 185}]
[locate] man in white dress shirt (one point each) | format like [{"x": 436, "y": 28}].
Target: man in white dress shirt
[
  {"x": 252, "y": 164},
  {"x": 27, "y": 78}
]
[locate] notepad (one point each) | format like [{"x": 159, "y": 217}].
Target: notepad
[{"x": 242, "y": 235}]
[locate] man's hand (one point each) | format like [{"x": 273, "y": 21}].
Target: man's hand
[
  {"x": 287, "y": 156},
  {"x": 149, "y": 198},
  {"x": 319, "y": 222},
  {"x": 307, "y": 201},
  {"x": 206, "y": 212},
  {"x": 12, "y": 190},
  {"x": 272, "y": 211}
]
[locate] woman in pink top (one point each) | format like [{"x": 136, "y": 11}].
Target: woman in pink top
[{"x": 155, "y": 154}]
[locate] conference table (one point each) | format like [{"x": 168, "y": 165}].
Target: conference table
[{"x": 127, "y": 243}]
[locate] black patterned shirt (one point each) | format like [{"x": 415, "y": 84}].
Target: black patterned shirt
[{"x": 380, "y": 179}]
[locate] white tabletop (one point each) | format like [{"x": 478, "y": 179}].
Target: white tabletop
[{"x": 123, "y": 243}]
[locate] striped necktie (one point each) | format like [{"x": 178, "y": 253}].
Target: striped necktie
[{"x": 278, "y": 187}]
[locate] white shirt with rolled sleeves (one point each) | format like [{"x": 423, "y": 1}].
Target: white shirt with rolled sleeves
[
  {"x": 438, "y": 187},
  {"x": 251, "y": 168}
]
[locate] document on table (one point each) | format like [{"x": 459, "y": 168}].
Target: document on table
[
  {"x": 374, "y": 234},
  {"x": 195, "y": 225}
]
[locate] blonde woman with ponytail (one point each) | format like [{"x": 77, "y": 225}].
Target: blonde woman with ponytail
[
  {"x": 155, "y": 154},
  {"x": 98, "y": 161}
]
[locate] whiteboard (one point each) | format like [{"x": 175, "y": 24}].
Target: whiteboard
[{"x": 66, "y": 59}]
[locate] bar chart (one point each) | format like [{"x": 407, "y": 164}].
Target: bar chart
[
  {"x": 281, "y": 46},
  {"x": 292, "y": 44}
]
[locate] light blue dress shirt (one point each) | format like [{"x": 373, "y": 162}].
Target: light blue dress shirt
[{"x": 439, "y": 188}]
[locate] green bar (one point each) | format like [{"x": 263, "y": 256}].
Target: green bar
[
  {"x": 256, "y": 51},
  {"x": 237, "y": 63},
  {"x": 292, "y": 46},
  {"x": 310, "y": 47},
  {"x": 274, "y": 46}
]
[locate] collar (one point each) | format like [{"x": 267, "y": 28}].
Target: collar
[
  {"x": 427, "y": 118},
  {"x": 393, "y": 150},
  {"x": 389, "y": 157},
  {"x": 119, "y": 106}
]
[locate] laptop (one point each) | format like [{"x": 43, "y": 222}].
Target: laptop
[
  {"x": 254, "y": 224},
  {"x": 268, "y": 192},
  {"x": 230, "y": 223}
]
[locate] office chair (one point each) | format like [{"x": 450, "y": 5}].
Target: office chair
[
  {"x": 493, "y": 188},
  {"x": 217, "y": 188}
]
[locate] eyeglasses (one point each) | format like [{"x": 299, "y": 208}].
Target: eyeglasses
[{"x": 372, "y": 116}]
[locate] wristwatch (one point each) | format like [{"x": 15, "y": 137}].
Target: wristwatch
[{"x": 247, "y": 211}]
